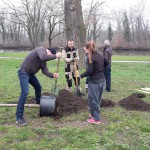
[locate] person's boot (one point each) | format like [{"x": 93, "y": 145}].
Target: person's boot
[
  {"x": 68, "y": 89},
  {"x": 86, "y": 88}
]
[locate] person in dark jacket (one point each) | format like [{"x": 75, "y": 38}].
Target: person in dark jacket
[
  {"x": 107, "y": 52},
  {"x": 95, "y": 71},
  {"x": 86, "y": 64},
  {"x": 34, "y": 61}
]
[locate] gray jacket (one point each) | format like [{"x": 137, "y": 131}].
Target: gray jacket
[
  {"x": 108, "y": 53},
  {"x": 36, "y": 60}
]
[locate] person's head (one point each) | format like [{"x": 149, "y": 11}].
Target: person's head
[
  {"x": 51, "y": 51},
  {"x": 71, "y": 43},
  {"x": 89, "y": 49},
  {"x": 106, "y": 43}
]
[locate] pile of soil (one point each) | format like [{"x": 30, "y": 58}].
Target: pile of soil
[
  {"x": 107, "y": 103},
  {"x": 134, "y": 102},
  {"x": 68, "y": 103}
]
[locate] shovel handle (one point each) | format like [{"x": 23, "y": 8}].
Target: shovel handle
[{"x": 56, "y": 72}]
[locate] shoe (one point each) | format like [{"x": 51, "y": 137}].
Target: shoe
[
  {"x": 93, "y": 121},
  {"x": 86, "y": 90},
  {"x": 37, "y": 114},
  {"x": 90, "y": 116},
  {"x": 82, "y": 94},
  {"x": 68, "y": 89},
  {"x": 105, "y": 90},
  {"x": 21, "y": 122}
]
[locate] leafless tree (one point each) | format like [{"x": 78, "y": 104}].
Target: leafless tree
[
  {"x": 30, "y": 15},
  {"x": 3, "y": 24},
  {"x": 75, "y": 25},
  {"x": 92, "y": 17},
  {"x": 54, "y": 18}
]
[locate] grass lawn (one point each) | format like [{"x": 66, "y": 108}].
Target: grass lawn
[{"x": 120, "y": 130}]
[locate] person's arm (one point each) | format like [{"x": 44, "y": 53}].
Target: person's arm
[
  {"x": 46, "y": 72},
  {"x": 106, "y": 54},
  {"x": 64, "y": 57},
  {"x": 106, "y": 62},
  {"x": 43, "y": 55},
  {"x": 89, "y": 70},
  {"x": 77, "y": 56}
]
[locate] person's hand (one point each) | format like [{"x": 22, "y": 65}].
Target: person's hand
[
  {"x": 77, "y": 58},
  {"x": 68, "y": 60},
  {"x": 56, "y": 75},
  {"x": 58, "y": 55}
]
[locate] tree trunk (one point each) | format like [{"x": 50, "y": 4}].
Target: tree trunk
[{"x": 75, "y": 26}]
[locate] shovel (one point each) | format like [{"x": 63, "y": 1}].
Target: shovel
[
  {"x": 56, "y": 72},
  {"x": 76, "y": 74},
  {"x": 54, "y": 88}
]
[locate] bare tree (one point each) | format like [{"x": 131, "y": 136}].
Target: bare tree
[
  {"x": 92, "y": 17},
  {"x": 75, "y": 25},
  {"x": 3, "y": 25},
  {"x": 54, "y": 18},
  {"x": 30, "y": 15}
]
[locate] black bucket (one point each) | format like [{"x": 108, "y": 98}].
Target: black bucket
[{"x": 47, "y": 105}]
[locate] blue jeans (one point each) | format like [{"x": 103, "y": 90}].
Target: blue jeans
[
  {"x": 94, "y": 98},
  {"x": 87, "y": 80},
  {"x": 26, "y": 78},
  {"x": 107, "y": 73}
]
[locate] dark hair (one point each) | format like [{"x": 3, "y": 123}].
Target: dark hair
[
  {"x": 70, "y": 40},
  {"x": 91, "y": 47},
  {"x": 53, "y": 50}
]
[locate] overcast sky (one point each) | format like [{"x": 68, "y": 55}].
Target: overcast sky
[
  {"x": 117, "y": 5},
  {"x": 111, "y": 5}
]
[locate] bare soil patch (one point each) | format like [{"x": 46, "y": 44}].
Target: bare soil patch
[{"x": 134, "y": 102}]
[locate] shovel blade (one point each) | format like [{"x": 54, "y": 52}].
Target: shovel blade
[{"x": 78, "y": 92}]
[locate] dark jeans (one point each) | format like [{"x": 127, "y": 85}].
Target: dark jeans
[
  {"x": 69, "y": 81},
  {"x": 87, "y": 80},
  {"x": 94, "y": 98},
  {"x": 107, "y": 73},
  {"x": 26, "y": 78}
]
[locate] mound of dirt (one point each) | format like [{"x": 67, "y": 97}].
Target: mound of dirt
[
  {"x": 107, "y": 103},
  {"x": 134, "y": 102},
  {"x": 68, "y": 103},
  {"x": 139, "y": 95}
]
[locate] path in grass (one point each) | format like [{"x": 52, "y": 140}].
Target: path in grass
[{"x": 118, "y": 61}]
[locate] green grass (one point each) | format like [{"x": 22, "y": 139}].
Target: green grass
[
  {"x": 121, "y": 129},
  {"x": 14, "y": 54},
  {"x": 131, "y": 58},
  {"x": 115, "y": 57}
]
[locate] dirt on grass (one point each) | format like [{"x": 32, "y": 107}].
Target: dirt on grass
[
  {"x": 134, "y": 102},
  {"x": 68, "y": 103}
]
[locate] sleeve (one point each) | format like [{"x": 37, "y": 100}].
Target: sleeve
[
  {"x": 43, "y": 56},
  {"x": 89, "y": 70},
  {"x": 64, "y": 57},
  {"x": 106, "y": 55},
  {"x": 77, "y": 55},
  {"x": 46, "y": 72},
  {"x": 106, "y": 62}
]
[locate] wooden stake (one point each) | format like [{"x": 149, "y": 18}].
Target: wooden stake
[{"x": 15, "y": 105}]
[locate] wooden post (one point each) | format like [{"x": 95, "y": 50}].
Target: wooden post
[{"x": 15, "y": 105}]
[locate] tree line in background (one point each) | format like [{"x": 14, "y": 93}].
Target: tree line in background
[{"x": 52, "y": 22}]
